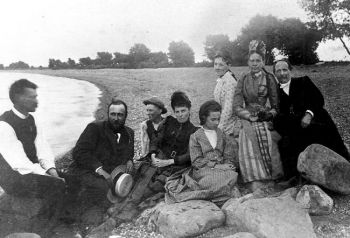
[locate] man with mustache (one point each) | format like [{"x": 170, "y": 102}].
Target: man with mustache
[
  {"x": 102, "y": 147},
  {"x": 27, "y": 162},
  {"x": 302, "y": 120}
]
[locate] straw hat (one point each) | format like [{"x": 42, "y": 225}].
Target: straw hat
[{"x": 121, "y": 184}]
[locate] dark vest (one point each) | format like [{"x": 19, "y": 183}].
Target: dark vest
[
  {"x": 25, "y": 130},
  {"x": 151, "y": 130}
]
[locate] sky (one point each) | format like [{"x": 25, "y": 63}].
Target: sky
[{"x": 34, "y": 31}]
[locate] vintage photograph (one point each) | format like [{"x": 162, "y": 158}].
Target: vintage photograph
[{"x": 175, "y": 118}]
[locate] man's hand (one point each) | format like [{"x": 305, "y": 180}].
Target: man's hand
[
  {"x": 129, "y": 166},
  {"x": 305, "y": 122},
  {"x": 161, "y": 163},
  {"x": 103, "y": 173},
  {"x": 53, "y": 172}
]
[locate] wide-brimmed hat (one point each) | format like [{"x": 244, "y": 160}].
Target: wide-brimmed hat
[
  {"x": 121, "y": 186},
  {"x": 157, "y": 102}
]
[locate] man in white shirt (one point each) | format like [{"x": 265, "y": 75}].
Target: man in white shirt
[{"x": 27, "y": 167}]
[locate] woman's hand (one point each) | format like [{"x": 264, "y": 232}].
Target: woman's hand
[{"x": 161, "y": 163}]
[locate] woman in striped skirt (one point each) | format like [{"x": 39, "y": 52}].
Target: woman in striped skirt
[
  {"x": 212, "y": 175},
  {"x": 256, "y": 103}
]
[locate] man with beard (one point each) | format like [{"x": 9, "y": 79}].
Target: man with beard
[
  {"x": 302, "y": 120},
  {"x": 101, "y": 148}
]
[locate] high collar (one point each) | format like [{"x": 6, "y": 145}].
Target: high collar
[
  {"x": 224, "y": 75},
  {"x": 19, "y": 114}
]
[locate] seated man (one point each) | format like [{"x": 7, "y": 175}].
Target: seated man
[
  {"x": 27, "y": 167},
  {"x": 149, "y": 128},
  {"x": 101, "y": 148},
  {"x": 302, "y": 120}
]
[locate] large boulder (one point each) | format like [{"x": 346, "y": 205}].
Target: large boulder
[
  {"x": 270, "y": 217},
  {"x": 184, "y": 219},
  {"x": 317, "y": 202},
  {"x": 324, "y": 167}
]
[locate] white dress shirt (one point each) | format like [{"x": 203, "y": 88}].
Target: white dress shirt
[
  {"x": 285, "y": 87},
  {"x": 12, "y": 150}
]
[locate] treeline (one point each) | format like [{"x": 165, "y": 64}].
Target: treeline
[
  {"x": 289, "y": 36},
  {"x": 180, "y": 54},
  {"x": 17, "y": 65}
]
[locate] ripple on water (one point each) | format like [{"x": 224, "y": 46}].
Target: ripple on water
[{"x": 66, "y": 106}]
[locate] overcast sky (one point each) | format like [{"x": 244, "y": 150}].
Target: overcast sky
[{"x": 34, "y": 31}]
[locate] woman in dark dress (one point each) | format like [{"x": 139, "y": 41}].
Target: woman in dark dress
[{"x": 169, "y": 150}]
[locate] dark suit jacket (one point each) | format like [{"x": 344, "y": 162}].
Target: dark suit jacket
[
  {"x": 304, "y": 95},
  {"x": 98, "y": 146}
]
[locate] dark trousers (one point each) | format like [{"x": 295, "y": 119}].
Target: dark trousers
[{"x": 29, "y": 185}]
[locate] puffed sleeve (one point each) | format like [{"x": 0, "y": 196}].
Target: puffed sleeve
[
  {"x": 197, "y": 158},
  {"x": 238, "y": 100},
  {"x": 228, "y": 91}
]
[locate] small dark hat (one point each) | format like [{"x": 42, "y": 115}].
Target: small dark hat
[
  {"x": 157, "y": 102},
  {"x": 179, "y": 98}
]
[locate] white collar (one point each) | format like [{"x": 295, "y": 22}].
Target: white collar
[
  {"x": 285, "y": 85},
  {"x": 17, "y": 113}
]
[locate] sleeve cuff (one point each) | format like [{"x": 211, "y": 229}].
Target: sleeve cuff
[
  {"x": 98, "y": 169},
  {"x": 310, "y": 112}
]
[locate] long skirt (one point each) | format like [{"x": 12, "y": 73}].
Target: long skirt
[
  {"x": 216, "y": 185},
  {"x": 259, "y": 158}
]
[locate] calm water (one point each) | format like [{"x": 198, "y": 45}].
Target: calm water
[{"x": 66, "y": 106}]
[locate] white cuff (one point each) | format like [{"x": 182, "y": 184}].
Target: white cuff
[
  {"x": 98, "y": 169},
  {"x": 311, "y": 113}
]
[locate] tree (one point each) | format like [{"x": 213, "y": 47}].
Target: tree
[
  {"x": 104, "y": 59},
  {"x": 158, "y": 60},
  {"x": 138, "y": 53},
  {"x": 85, "y": 62},
  {"x": 2, "y": 67},
  {"x": 215, "y": 43},
  {"x": 71, "y": 63},
  {"x": 263, "y": 28},
  {"x": 121, "y": 60},
  {"x": 18, "y": 65},
  {"x": 181, "y": 54},
  {"x": 299, "y": 41},
  {"x": 332, "y": 17}
]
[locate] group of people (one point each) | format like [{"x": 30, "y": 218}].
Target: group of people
[{"x": 255, "y": 128}]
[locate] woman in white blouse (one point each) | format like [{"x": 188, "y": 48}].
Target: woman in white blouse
[{"x": 224, "y": 92}]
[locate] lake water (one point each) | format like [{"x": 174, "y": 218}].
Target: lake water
[{"x": 66, "y": 106}]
